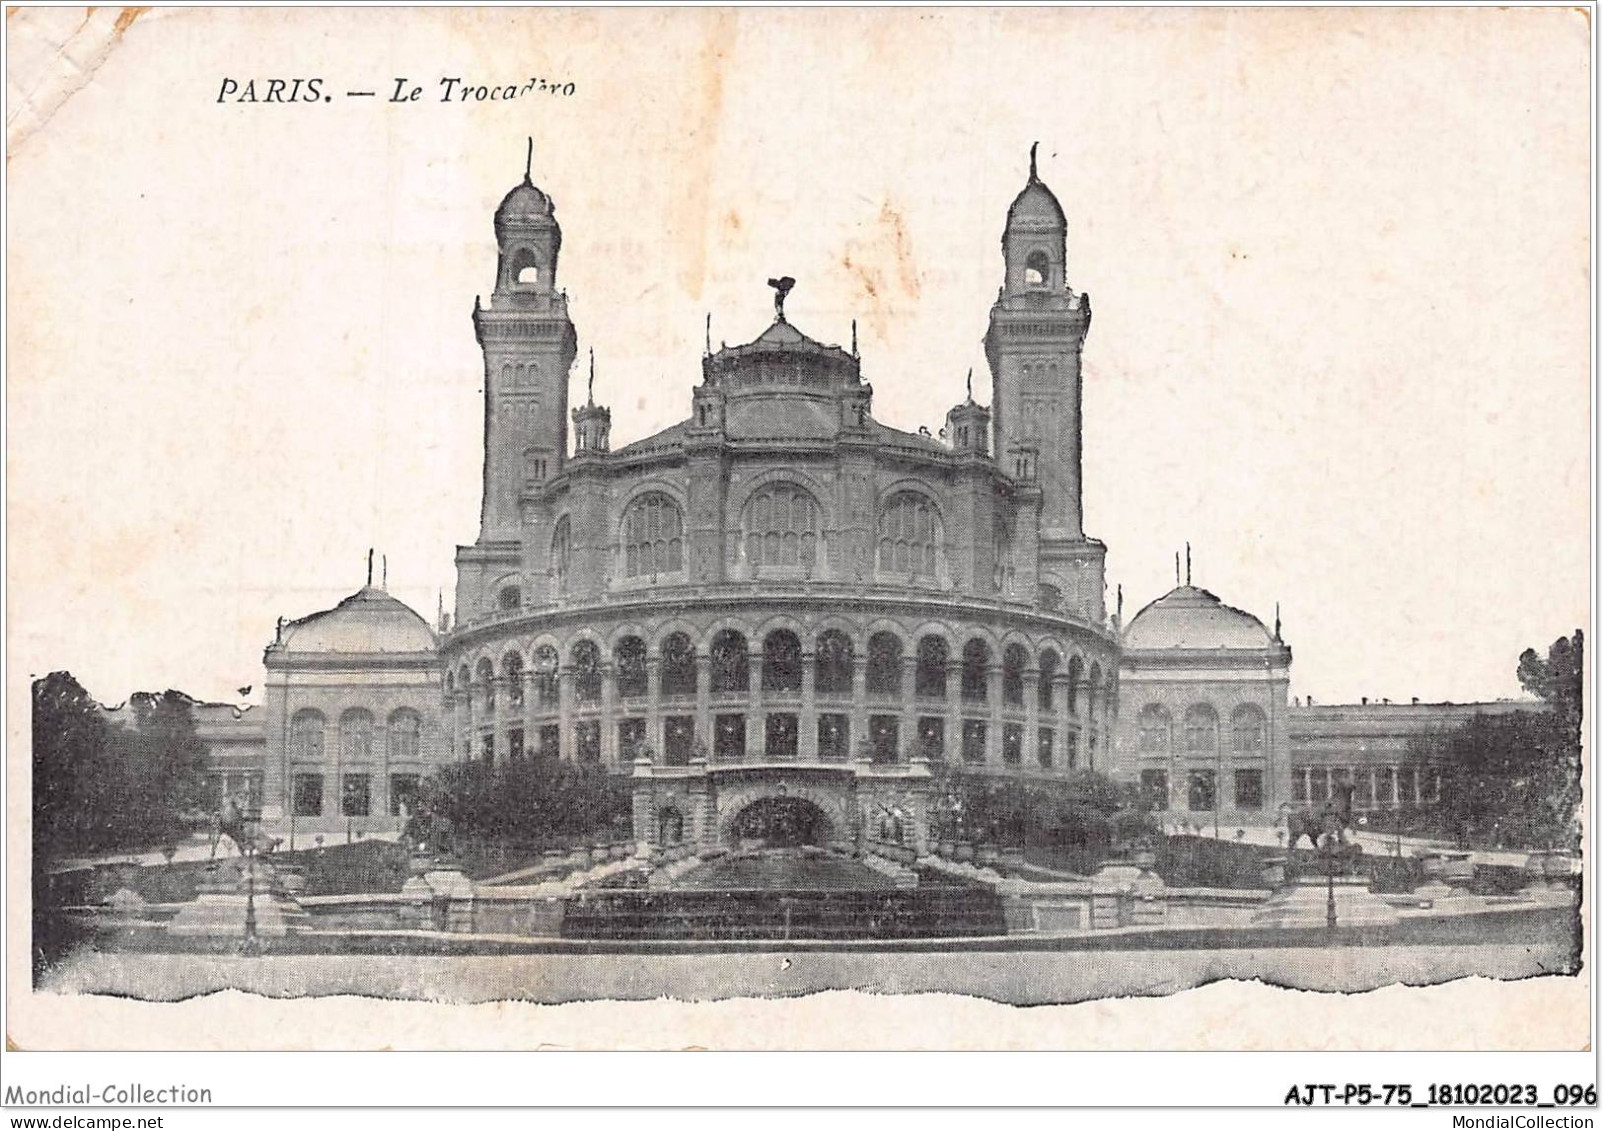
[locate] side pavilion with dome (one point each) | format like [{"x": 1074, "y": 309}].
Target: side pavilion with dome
[
  {"x": 1204, "y": 719},
  {"x": 350, "y": 717}
]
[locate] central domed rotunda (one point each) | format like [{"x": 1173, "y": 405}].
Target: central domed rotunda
[{"x": 780, "y": 596}]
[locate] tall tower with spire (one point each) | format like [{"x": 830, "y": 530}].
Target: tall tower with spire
[
  {"x": 529, "y": 346},
  {"x": 1038, "y": 327},
  {"x": 1033, "y": 344}
]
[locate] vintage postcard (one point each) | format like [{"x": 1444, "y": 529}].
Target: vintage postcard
[{"x": 671, "y": 513}]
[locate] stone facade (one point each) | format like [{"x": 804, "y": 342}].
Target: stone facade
[
  {"x": 781, "y": 596},
  {"x": 1204, "y": 722},
  {"x": 1383, "y": 748},
  {"x": 350, "y": 717},
  {"x": 781, "y": 579}
]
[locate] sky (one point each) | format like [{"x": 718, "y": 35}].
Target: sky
[{"x": 1338, "y": 258}]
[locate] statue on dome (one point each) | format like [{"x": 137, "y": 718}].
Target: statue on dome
[{"x": 782, "y": 288}]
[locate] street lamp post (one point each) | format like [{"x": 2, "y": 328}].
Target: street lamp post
[
  {"x": 1329, "y": 848},
  {"x": 251, "y": 944}
]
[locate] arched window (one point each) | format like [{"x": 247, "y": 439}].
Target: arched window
[
  {"x": 976, "y": 659},
  {"x": 630, "y": 659},
  {"x": 1247, "y": 730},
  {"x": 1050, "y": 597},
  {"x": 1202, "y": 730},
  {"x": 1013, "y": 660},
  {"x": 306, "y": 735},
  {"x": 1002, "y": 571},
  {"x": 585, "y": 656},
  {"x": 486, "y": 682},
  {"x": 909, "y": 535},
  {"x": 884, "y": 664},
  {"x": 929, "y": 678},
  {"x": 561, "y": 551},
  {"x": 509, "y": 598},
  {"x": 525, "y": 268},
  {"x": 512, "y": 670},
  {"x": 356, "y": 735},
  {"x": 1049, "y": 672},
  {"x": 545, "y": 677},
  {"x": 653, "y": 532},
  {"x": 1076, "y": 678},
  {"x": 731, "y": 669},
  {"x": 781, "y": 661},
  {"x": 678, "y": 665},
  {"x": 833, "y": 664},
  {"x": 781, "y": 528},
  {"x": 1155, "y": 729},
  {"x": 405, "y": 731},
  {"x": 1037, "y": 269}
]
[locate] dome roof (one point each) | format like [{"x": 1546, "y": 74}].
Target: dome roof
[
  {"x": 524, "y": 202},
  {"x": 368, "y": 621},
  {"x": 1187, "y": 617},
  {"x": 1035, "y": 207},
  {"x": 781, "y": 334},
  {"x": 781, "y": 360}
]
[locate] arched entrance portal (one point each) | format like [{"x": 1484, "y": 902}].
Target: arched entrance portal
[{"x": 782, "y": 822}]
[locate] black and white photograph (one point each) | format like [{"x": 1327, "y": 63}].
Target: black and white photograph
[{"x": 1077, "y": 515}]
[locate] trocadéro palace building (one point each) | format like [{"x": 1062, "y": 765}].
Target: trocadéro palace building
[{"x": 783, "y": 595}]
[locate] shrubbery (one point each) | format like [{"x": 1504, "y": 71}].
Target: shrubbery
[
  {"x": 1085, "y": 810},
  {"x": 532, "y": 803},
  {"x": 1515, "y": 779}
]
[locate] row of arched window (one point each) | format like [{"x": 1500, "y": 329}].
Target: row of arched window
[
  {"x": 835, "y": 664},
  {"x": 781, "y": 529},
  {"x": 403, "y": 734},
  {"x": 1200, "y": 730},
  {"x": 520, "y": 375}
]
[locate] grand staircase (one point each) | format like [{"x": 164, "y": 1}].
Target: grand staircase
[{"x": 932, "y": 910}]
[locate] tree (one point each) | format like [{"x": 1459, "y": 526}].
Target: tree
[
  {"x": 1557, "y": 680},
  {"x": 101, "y": 787},
  {"x": 1517, "y": 777},
  {"x": 69, "y": 748},
  {"x": 166, "y": 759}
]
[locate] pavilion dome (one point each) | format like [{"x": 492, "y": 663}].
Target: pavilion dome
[
  {"x": 1188, "y": 617},
  {"x": 781, "y": 361},
  {"x": 525, "y": 203},
  {"x": 1036, "y": 207},
  {"x": 367, "y": 622}
]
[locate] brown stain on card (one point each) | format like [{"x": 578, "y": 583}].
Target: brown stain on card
[
  {"x": 126, "y": 18},
  {"x": 689, "y": 218},
  {"x": 45, "y": 99},
  {"x": 880, "y": 267}
]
